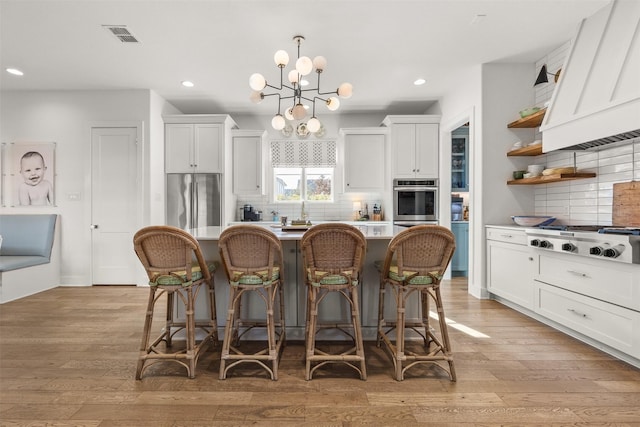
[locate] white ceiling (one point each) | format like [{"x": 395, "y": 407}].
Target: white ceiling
[{"x": 380, "y": 46}]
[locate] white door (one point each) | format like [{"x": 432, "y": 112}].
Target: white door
[{"x": 114, "y": 205}]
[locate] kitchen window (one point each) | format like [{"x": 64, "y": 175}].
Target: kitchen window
[
  {"x": 307, "y": 183},
  {"x": 303, "y": 170}
]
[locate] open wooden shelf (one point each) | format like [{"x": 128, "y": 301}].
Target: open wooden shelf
[
  {"x": 532, "y": 121},
  {"x": 531, "y": 150},
  {"x": 546, "y": 179}
]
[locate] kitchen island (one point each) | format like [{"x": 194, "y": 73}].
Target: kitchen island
[{"x": 378, "y": 235}]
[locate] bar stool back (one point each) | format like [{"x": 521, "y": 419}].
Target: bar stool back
[
  {"x": 333, "y": 258},
  {"x": 253, "y": 262},
  {"x": 415, "y": 262},
  {"x": 168, "y": 254}
]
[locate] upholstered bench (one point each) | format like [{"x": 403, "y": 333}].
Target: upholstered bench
[{"x": 29, "y": 254}]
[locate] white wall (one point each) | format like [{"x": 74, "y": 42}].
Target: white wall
[{"x": 66, "y": 117}]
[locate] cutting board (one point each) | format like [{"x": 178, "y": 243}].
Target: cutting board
[{"x": 626, "y": 204}]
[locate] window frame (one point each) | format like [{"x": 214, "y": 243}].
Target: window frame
[{"x": 303, "y": 190}]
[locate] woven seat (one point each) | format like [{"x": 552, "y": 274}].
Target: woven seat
[
  {"x": 415, "y": 263},
  {"x": 333, "y": 258},
  {"x": 176, "y": 267},
  {"x": 252, "y": 260}
]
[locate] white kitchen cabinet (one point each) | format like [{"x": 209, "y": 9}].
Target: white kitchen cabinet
[
  {"x": 248, "y": 168},
  {"x": 591, "y": 297},
  {"x": 511, "y": 266},
  {"x": 193, "y": 147},
  {"x": 414, "y": 145},
  {"x": 364, "y": 159}
]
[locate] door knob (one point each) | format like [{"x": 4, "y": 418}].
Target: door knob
[{"x": 94, "y": 226}]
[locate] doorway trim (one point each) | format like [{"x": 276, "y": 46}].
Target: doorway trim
[
  {"x": 445, "y": 196},
  {"x": 140, "y": 185}
]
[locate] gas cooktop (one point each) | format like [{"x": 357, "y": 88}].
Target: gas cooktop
[{"x": 602, "y": 229}]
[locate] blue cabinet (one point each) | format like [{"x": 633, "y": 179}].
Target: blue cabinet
[{"x": 460, "y": 260}]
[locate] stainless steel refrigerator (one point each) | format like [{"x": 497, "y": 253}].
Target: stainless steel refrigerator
[{"x": 193, "y": 200}]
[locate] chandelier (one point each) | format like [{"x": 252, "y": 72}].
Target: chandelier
[{"x": 295, "y": 92}]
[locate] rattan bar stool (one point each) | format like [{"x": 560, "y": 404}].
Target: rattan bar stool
[
  {"x": 333, "y": 259},
  {"x": 176, "y": 268},
  {"x": 415, "y": 263},
  {"x": 252, "y": 260}
]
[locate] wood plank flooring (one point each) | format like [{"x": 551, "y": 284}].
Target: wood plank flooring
[{"x": 68, "y": 356}]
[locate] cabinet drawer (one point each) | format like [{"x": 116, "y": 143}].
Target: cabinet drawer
[
  {"x": 614, "y": 326},
  {"x": 617, "y": 284},
  {"x": 507, "y": 235}
]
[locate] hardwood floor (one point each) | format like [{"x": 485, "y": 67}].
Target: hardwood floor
[{"x": 68, "y": 357}]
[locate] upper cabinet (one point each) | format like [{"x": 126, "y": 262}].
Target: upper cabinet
[
  {"x": 459, "y": 163},
  {"x": 364, "y": 159},
  {"x": 195, "y": 143},
  {"x": 248, "y": 169},
  {"x": 414, "y": 145}
]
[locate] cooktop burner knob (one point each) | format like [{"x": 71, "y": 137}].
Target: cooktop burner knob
[
  {"x": 613, "y": 252},
  {"x": 535, "y": 242},
  {"x": 546, "y": 244},
  {"x": 569, "y": 247},
  {"x": 596, "y": 250}
]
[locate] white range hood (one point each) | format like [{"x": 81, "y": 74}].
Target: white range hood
[{"x": 597, "y": 99}]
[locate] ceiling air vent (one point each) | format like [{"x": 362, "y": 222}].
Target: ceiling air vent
[{"x": 121, "y": 33}]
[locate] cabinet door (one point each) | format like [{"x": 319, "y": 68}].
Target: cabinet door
[
  {"x": 426, "y": 146},
  {"x": 247, "y": 165},
  {"x": 208, "y": 148},
  {"x": 179, "y": 148},
  {"x": 364, "y": 163},
  {"x": 404, "y": 146},
  {"x": 459, "y": 262},
  {"x": 510, "y": 272},
  {"x": 459, "y": 169}
]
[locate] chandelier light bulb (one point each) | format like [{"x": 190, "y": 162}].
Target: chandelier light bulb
[
  {"x": 333, "y": 103},
  {"x": 256, "y": 97},
  {"x": 320, "y": 63},
  {"x": 281, "y": 58},
  {"x": 288, "y": 114},
  {"x": 293, "y": 76},
  {"x": 257, "y": 81},
  {"x": 304, "y": 65},
  {"x": 299, "y": 112},
  {"x": 278, "y": 122},
  {"x": 313, "y": 124},
  {"x": 345, "y": 90}
]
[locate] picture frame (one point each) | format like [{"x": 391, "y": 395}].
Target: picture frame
[{"x": 32, "y": 166}]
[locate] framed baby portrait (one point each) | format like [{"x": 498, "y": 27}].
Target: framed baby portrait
[{"x": 32, "y": 173}]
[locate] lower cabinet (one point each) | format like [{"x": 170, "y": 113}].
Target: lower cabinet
[
  {"x": 511, "y": 266},
  {"x": 460, "y": 260},
  {"x": 596, "y": 301}
]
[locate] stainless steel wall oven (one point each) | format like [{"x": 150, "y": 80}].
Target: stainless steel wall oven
[{"x": 415, "y": 201}]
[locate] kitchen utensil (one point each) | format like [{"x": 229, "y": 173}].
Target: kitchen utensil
[
  {"x": 532, "y": 220},
  {"x": 626, "y": 204},
  {"x": 535, "y": 170}
]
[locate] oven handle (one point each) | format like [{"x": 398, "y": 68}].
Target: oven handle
[{"x": 421, "y": 188}]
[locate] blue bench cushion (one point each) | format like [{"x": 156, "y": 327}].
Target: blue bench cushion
[
  {"x": 14, "y": 262},
  {"x": 24, "y": 235}
]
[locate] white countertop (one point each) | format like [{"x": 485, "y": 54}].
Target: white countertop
[{"x": 372, "y": 230}]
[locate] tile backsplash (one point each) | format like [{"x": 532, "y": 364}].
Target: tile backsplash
[{"x": 587, "y": 201}]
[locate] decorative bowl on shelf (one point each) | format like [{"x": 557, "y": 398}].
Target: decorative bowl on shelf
[
  {"x": 533, "y": 220},
  {"x": 529, "y": 111}
]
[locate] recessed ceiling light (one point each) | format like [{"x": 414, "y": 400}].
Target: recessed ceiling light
[
  {"x": 15, "y": 72},
  {"x": 187, "y": 83},
  {"x": 419, "y": 82}
]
